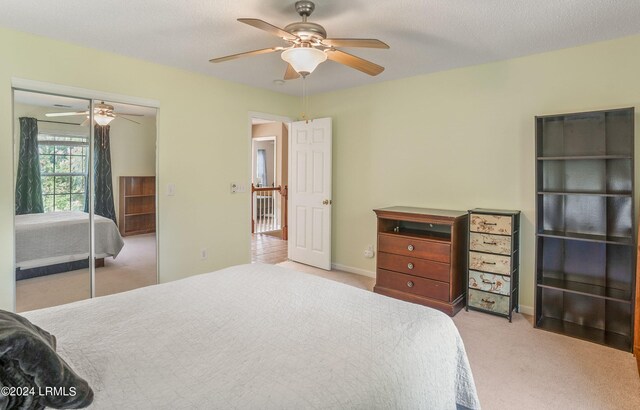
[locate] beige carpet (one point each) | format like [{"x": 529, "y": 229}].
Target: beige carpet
[
  {"x": 518, "y": 367},
  {"x": 134, "y": 267}
]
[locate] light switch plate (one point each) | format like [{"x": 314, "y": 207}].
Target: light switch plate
[
  {"x": 171, "y": 189},
  {"x": 237, "y": 188}
]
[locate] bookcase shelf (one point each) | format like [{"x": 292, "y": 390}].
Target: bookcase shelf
[
  {"x": 617, "y": 240},
  {"x": 582, "y": 157},
  {"x": 596, "y": 291},
  {"x": 137, "y": 211},
  {"x": 591, "y": 334},
  {"x": 585, "y": 244}
]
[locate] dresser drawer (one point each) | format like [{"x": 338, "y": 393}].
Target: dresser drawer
[
  {"x": 414, "y": 266},
  {"x": 489, "y": 301},
  {"x": 489, "y": 282},
  {"x": 490, "y": 263},
  {"x": 496, "y": 224},
  {"x": 419, "y": 248},
  {"x": 490, "y": 243},
  {"x": 413, "y": 284}
]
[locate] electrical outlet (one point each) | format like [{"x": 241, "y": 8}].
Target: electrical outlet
[
  {"x": 204, "y": 254},
  {"x": 368, "y": 253}
]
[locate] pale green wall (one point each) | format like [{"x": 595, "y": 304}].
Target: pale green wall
[
  {"x": 203, "y": 146},
  {"x": 462, "y": 138},
  {"x": 133, "y": 150}
]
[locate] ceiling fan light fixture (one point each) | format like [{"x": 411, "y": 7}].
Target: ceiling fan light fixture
[
  {"x": 103, "y": 119},
  {"x": 304, "y": 59}
]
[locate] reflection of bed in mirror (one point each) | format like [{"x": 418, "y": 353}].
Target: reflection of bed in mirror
[{"x": 55, "y": 242}]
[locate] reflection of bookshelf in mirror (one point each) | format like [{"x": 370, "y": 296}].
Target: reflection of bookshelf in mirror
[
  {"x": 137, "y": 211},
  {"x": 585, "y": 245}
]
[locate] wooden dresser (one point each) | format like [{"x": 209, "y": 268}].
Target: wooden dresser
[{"x": 422, "y": 256}]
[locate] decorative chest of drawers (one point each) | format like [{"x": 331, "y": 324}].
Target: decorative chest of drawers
[
  {"x": 493, "y": 261},
  {"x": 422, "y": 256}
]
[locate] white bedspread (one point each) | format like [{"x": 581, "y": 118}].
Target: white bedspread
[
  {"x": 57, "y": 237},
  {"x": 262, "y": 337}
]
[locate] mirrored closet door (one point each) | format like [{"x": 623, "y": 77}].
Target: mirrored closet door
[
  {"x": 125, "y": 194},
  {"x": 52, "y": 229},
  {"x": 85, "y": 212}
]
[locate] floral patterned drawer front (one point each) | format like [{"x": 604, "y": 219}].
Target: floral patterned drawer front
[
  {"x": 489, "y": 301},
  {"x": 490, "y": 243},
  {"x": 489, "y": 282},
  {"x": 490, "y": 263},
  {"x": 496, "y": 224}
]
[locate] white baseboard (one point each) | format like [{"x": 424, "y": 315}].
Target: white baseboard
[
  {"x": 527, "y": 310},
  {"x": 357, "y": 271}
]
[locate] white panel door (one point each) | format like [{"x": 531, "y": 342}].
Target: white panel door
[{"x": 310, "y": 192}]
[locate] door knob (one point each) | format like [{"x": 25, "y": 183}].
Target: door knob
[{"x": 326, "y": 202}]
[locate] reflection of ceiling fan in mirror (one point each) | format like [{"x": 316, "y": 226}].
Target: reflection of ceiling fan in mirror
[
  {"x": 309, "y": 46},
  {"x": 103, "y": 114}
]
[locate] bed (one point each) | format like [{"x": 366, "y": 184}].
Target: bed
[
  {"x": 60, "y": 239},
  {"x": 261, "y": 336}
]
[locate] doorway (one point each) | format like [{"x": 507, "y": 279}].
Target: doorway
[
  {"x": 269, "y": 185},
  {"x": 73, "y": 156}
]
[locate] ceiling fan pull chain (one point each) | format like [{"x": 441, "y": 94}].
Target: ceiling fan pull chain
[{"x": 304, "y": 100}]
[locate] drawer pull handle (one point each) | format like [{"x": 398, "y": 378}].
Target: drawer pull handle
[
  {"x": 488, "y": 223},
  {"x": 410, "y": 265},
  {"x": 489, "y": 243},
  {"x": 410, "y": 284},
  {"x": 410, "y": 248},
  {"x": 491, "y": 302},
  {"x": 488, "y": 263},
  {"x": 488, "y": 282}
]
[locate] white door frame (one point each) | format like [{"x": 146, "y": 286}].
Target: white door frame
[{"x": 91, "y": 95}]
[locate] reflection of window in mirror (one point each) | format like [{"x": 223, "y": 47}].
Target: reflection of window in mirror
[{"x": 63, "y": 170}]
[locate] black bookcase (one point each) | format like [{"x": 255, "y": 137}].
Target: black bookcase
[{"x": 585, "y": 246}]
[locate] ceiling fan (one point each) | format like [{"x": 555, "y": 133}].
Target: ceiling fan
[
  {"x": 103, "y": 114},
  {"x": 309, "y": 45}
]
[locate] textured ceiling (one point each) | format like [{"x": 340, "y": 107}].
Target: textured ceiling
[
  {"x": 58, "y": 103},
  {"x": 425, "y": 35}
]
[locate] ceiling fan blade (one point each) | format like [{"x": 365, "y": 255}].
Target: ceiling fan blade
[
  {"x": 269, "y": 28},
  {"x": 352, "y": 61},
  {"x": 65, "y": 114},
  {"x": 246, "y": 54},
  {"x": 128, "y": 119},
  {"x": 290, "y": 74},
  {"x": 354, "y": 42},
  {"x": 130, "y": 115}
]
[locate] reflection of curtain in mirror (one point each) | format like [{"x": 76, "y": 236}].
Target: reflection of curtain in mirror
[
  {"x": 28, "y": 182},
  {"x": 261, "y": 167},
  {"x": 103, "y": 186}
]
